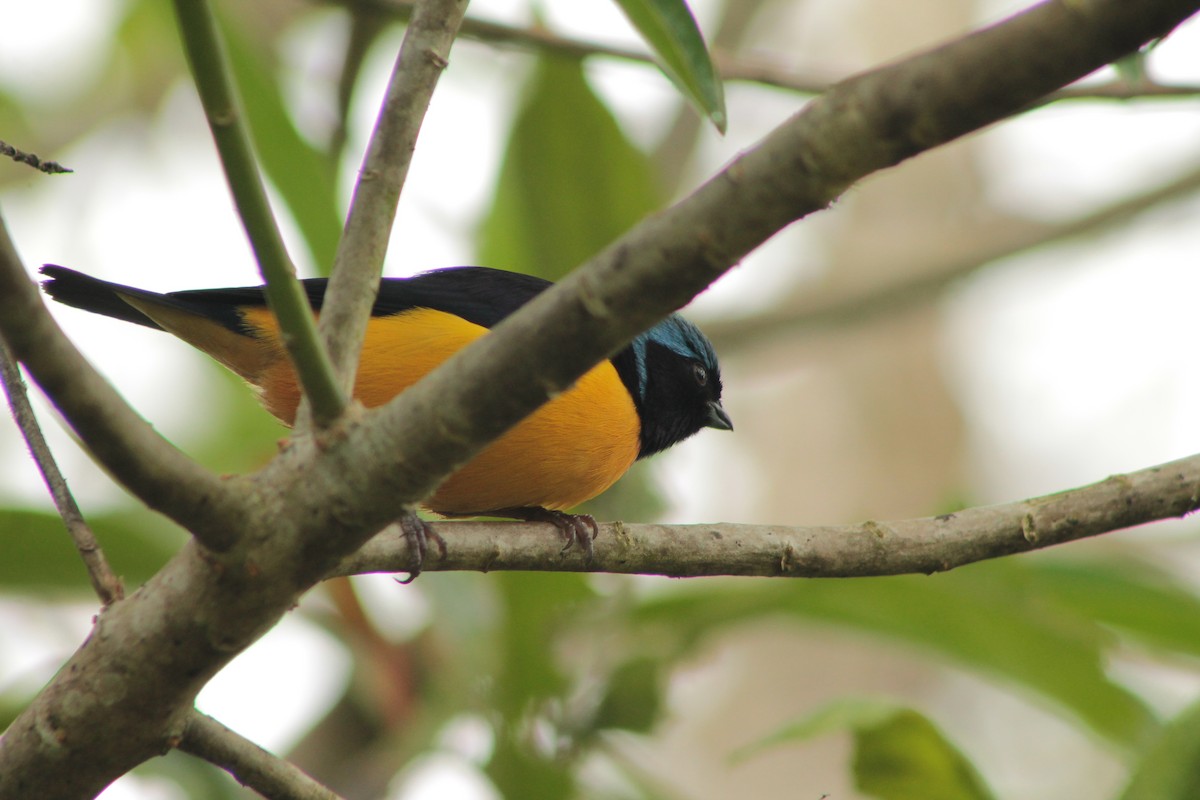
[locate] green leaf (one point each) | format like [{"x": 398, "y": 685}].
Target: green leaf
[
  {"x": 671, "y": 31},
  {"x": 519, "y": 774},
  {"x": 994, "y": 618},
  {"x": 907, "y": 758},
  {"x": 1132, "y": 68},
  {"x": 1140, "y": 600},
  {"x": 633, "y": 698},
  {"x": 847, "y": 713},
  {"x": 570, "y": 182},
  {"x": 36, "y": 554},
  {"x": 898, "y": 753},
  {"x": 536, "y": 607},
  {"x": 1170, "y": 769}
]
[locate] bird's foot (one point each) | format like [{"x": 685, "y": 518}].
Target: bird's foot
[
  {"x": 418, "y": 533},
  {"x": 578, "y": 529}
]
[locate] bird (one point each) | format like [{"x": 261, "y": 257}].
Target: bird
[{"x": 659, "y": 390}]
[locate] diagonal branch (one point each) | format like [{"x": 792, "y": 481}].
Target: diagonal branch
[
  {"x": 21, "y": 157},
  {"x": 136, "y": 678},
  {"x": 106, "y": 583},
  {"x": 925, "y": 545},
  {"x": 210, "y": 69},
  {"x": 253, "y": 766},
  {"x": 865, "y": 124},
  {"x": 359, "y": 260},
  {"x": 121, "y": 441}
]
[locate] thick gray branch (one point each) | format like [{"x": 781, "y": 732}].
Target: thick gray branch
[
  {"x": 862, "y": 125},
  {"x": 137, "y": 675}
]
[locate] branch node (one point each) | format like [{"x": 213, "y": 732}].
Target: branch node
[
  {"x": 875, "y": 529},
  {"x": 621, "y": 534},
  {"x": 21, "y": 157},
  {"x": 788, "y": 561},
  {"x": 1123, "y": 481},
  {"x": 49, "y": 732},
  {"x": 491, "y": 558},
  {"x": 1029, "y": 528}
]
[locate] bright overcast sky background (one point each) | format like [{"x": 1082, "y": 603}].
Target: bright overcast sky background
[{"x": 1090, "y": 346}]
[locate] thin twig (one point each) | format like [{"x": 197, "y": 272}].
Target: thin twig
[
  {"x": 106, "y": 583},
  {"x": 132, "y": 452},
  {"x": 319, "y": 501},
  {"x": 925, "y": 545},
  {"x": 264, "y": 772},
  {"x": 22, "y": 157},
  {"x": 359, "y": 261},
  {"x": 733, "y": 67},
  {"x": 210, "y": 70},
  {"x": 1124, "y": 90},
  {"x": 365, "y": 26}
]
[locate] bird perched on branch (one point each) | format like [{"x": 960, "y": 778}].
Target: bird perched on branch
[{"x": 662, "y": 388}]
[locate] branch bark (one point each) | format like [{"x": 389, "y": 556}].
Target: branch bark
[
  {"x": 211, "y": 72},
  {"x": 731, "y": 66},
  {"x": 136, "y": 677},
  {"x": 105, "y": 582},
  {"x": 253, "y": 766},
  {"x": 865, "y": 124},
  {"x": 359, "y": 260},
  {"x": 121, "y": 441},
  {"x": 895, "y": 547}
]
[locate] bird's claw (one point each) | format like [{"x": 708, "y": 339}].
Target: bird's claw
[
  {"x": 580, "y": 529},
  {"x": 418, "y": 533},
  {"x": 577, "y": 528}
]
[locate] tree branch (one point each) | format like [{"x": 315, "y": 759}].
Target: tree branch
[
  {"x": 210, "y": 69},
  {"x": 925, "y": 545},
  {"x": 121, "y": 441},
  {"x": 21, "y": 157},
  {"x": 137, "y": 675},
  {"x": 106, "y": 583},
  {"x": 731, "y": 66},
  {"x": 359, "y": 261},
  {"x": 264, "y": 772},
  {"x": 867, "y": 123},
  {"x": 816, "y": 310}
]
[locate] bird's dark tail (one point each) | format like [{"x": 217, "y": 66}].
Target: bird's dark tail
[{"x": 92, "y": 294}]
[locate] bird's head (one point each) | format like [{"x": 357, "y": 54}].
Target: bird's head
[{"x": 672, "y": 373}]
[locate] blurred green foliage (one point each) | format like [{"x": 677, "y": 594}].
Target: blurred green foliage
[
  {"x": 505, "y": 648},
  {"x": 570, "y": 181},
  {"x": 898, "y": 753},
  {"x": 670, "y": 29}
]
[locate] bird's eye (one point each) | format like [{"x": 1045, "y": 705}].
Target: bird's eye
[{"x": 701, "y": 375}]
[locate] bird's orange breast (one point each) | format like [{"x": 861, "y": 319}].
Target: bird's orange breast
[{"x": 570, "y": 450}]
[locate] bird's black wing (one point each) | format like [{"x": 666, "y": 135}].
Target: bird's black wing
[{"x": 480, "y": 295}]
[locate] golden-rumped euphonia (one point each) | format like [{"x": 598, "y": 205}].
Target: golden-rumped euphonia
[{"x": 659, "y": 390}]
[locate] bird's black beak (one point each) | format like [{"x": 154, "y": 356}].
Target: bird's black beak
[{"x": 717, "y": 418}]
